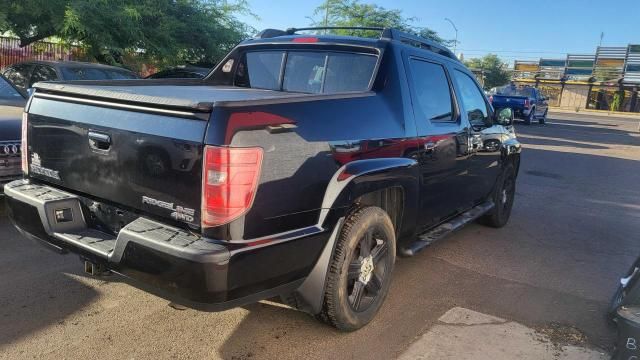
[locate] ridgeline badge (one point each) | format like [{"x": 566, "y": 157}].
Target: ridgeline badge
[
  {"x": 178, "y": 212},
  {"x": 36, "y": 168}
]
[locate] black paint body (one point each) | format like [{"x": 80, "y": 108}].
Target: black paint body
[{"x": 336, "y": 152}]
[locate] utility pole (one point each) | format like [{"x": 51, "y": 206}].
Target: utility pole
[
  {"x": 601, "y": 37},
  {"x": 455, "y": 42}
]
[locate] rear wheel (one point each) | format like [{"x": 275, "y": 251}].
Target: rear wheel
[
  {"x": 532, "y": 115},
  {"x": 360, "y": 270},
  {"x": 503, "y": 197},
  {"x": 543, "y": 119}
]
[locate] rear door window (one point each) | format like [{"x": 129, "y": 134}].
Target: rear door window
[
  {"x": 431, "y": 91},
  {"x": 42, "y": 73}
]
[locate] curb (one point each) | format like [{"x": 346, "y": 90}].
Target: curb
[{"x": 596, "y": 113}]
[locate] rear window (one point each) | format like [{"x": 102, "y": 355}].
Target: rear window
[
  {"x": 86, "y": 73},
  {"x": 312, "y": 72},
  {"x": 510, "y": 90}
]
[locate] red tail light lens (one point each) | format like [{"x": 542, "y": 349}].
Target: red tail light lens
[
  {"x": 24, "y": 149},
  {"x": 229, "y": 183},
  {"x": 526, "y": 103},
  {"x": 491, "y": 99}
]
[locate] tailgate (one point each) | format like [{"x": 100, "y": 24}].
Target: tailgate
[
  {"x": 509, "y": 101},
  {"x": 144, "y": 160}
]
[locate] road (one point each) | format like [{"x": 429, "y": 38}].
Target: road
[{"x": 575, "y": 228}]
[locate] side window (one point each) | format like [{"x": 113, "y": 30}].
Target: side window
[
  {"x": 43, "y": 73},
  {"x": 472, "y": 99},
  {"x": 431, "y": 91}
]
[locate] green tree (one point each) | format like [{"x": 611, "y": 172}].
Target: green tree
[
  {"x": 495, "y": 71},
  {"x": 168, "y": 31},
  {"x": 354, "y": 13}
]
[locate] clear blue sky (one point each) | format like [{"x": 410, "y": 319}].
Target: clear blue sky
[{"x": 563, "y": 26}]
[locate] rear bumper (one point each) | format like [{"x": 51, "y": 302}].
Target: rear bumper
[{"x": 170, "y": 262}]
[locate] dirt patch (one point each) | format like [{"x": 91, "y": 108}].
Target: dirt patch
[{"x": 561, "y": 335}]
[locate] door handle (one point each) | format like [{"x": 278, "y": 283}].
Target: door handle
[{"x": 99, "y": 141}]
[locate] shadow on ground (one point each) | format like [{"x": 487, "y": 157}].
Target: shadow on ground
[{"x": 35, "y": 291}]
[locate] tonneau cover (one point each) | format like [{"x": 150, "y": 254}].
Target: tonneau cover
[{"x": 189, "y": 95}]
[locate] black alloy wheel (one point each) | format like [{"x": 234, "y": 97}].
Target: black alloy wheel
[{"x": 360, "y": 270}]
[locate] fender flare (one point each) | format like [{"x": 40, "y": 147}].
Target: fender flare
[{"x": 310, "y": 294}]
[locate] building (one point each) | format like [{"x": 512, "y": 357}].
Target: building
[{"x": 607, "y": 80}]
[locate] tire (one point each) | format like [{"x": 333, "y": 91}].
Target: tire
[
  {"x": 503, "y": 196},
  {"x": 543, "y": 119},
  {"x": 626, "y": 295},
  {"x": 360, "y": 270},
  {"x": 529, "y": 119}
]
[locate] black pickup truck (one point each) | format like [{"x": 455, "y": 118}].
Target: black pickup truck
[{"x": 300, "y": 167}]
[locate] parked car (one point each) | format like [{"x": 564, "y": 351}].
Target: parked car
[
  {"x": 181, "y": 72},
  {"x": 25, "y": 74},
  {"x": 318, "y": 160},
  {"x": 12, "y": 103},
  {"x": 527, "y": 102}
]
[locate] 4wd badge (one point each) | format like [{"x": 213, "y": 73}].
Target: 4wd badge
[{"x": 178, "y": 212}]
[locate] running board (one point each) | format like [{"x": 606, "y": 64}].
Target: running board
[{"x": 446, "y": 228}]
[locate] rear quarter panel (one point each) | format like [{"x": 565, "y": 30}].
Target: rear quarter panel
[{"x": 321, "y": 136}]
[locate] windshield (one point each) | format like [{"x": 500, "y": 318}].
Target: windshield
[
  {"x": 511, "y": 90},
  {"x": 313, "y": 72},
  {"x": 8, "y": 92},
  {"x": 87, "y": 73}
]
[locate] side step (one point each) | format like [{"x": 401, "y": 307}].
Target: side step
[{"x": 446, "y": 228}]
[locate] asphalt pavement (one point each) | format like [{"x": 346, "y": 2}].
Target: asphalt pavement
[{"x": 574, "y": 230}]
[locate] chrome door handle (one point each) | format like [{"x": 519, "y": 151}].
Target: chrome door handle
[{"x": 99, "y": 141}]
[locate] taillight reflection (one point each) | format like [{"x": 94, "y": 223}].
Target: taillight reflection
[{"x": 24, "y": 145}]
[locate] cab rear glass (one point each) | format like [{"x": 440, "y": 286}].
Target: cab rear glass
[{"x": 313, "y": 72}]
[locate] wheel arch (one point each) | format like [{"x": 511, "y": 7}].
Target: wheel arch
[{"x": 372, "y": 182}]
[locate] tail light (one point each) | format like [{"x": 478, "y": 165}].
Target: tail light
[
  {"x": 229, "y": 183},
  {"x": 526, "y": 103},
  {"x": 24, "y": 148},
  {"x": 491, "y": 99}
]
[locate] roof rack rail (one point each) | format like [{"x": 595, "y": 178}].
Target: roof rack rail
[
  {"x": 292, "y": 31},
  {"x": 385, "y": 33},
  {"x": 418, "y": 41}
]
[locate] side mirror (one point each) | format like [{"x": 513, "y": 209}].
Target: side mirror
[{"x": 504, "y": 116}]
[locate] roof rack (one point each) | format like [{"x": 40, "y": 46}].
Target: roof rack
[
  {"x": 385, "y": 33},
  {"x": 292, "y": 31},
  {"x": 418, "y": 41}
]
